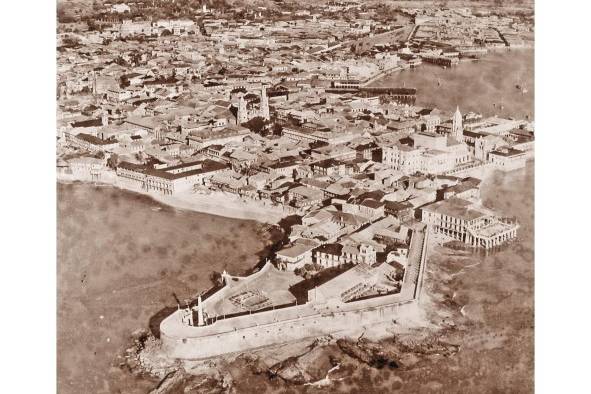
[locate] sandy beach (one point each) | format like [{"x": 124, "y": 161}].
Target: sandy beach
[{"x": 213, "y": 203}]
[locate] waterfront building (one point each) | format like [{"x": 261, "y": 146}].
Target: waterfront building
[
  {"x": 169, "y": 180},
  {"x": 303, "y": 196},
  {"x": 87, "y": 168},
  {"x": 468, "y": 222},
  {"x": 507, "y": 159},
  {"x": 467, "y": 189},
  {"x": 445, "y": 61},
  {"x": 497, "y": 126},
  {"x": 272, "y": 306}
]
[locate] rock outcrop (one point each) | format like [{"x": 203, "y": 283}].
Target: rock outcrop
[{"x": 368, "y": 353}]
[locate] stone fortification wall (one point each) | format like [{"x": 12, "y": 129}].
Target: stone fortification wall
[
  {"x": 274, "y": 333},
  {"x": 292, "y": 323}
]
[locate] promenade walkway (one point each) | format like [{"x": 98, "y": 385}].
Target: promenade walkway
[{"x": 415, "y": 259}]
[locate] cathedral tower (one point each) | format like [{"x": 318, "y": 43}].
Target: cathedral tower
[
  {"x": 242, "y": 115},
  {"x": 264, "y": 104},
  {"x": 457, "y": 129}
]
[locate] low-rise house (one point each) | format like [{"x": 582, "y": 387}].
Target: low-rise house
[
  {"x": 297, "y": 254},
  {"x": 285, "y": 168},
  {"x": 402, "y": 210},
  {"x": 302, "y": 196},
  {"x": 366, "y": 151},
  {"x": 468, "y": 189},
  {"x": 336, "y": 254},
  {"x": 367, "y": 208},
  {"x": 229, "y": 181},
  {"x": 329, "y": 167}
]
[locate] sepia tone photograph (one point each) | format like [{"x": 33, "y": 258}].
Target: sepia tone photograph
[{"x": 280, "y": 196}]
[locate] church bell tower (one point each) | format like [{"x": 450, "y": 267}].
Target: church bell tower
[
  {"x": 242, "y": 115},
  {"x": 457, "y": 129},
  {"x": 264, "y": 104}
]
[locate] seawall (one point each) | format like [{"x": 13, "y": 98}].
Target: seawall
[
  {"x": 293, "y": 323},
  {"x": 275, "y": 333}
]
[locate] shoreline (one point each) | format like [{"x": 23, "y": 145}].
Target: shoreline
[
  {"x": 214, "y": 203},
  {"x": 219, "y": 203},
  {"x": 483, "y": 78}
]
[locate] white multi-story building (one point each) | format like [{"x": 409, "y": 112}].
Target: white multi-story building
[
  {"x": 507, "y": 159},
  {"x": 431, "y": 153},
  {"x": 468, "y": 222}
]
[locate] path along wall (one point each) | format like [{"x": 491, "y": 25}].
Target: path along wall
[
  {"x": 289, "y": 324},
  {"x": 275, "y": 333}
]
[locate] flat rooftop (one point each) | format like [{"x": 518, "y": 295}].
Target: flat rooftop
[
  {"x": 457, "y": 208},
  {"x": 494, "y": 229}
]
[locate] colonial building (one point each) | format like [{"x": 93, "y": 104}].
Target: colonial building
[
  {"x": 169, "y": 180},
  {"x": 468, "y": 222},
  {"x": 297, "y": 254},
  {"x": 247, "y": 111},
  {"x": 336, "y": 254},
  {"x": 507, "y": 159},
  {"x": 91, "y": 143},
  {"x": 368, "y": 208},
  {"x": 303, "y": 196},
  {"x": 87, "y": 168},
  {"x": 429, "y": 153}
]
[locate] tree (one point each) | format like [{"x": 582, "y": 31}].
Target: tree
[
  {"x": 92, "y": 26},
  {"x": 113, "y": 160},
  {"x": 123, "y": 82},
  {"x": 216, "y": 278},
  {"x": 62, "y": 15},
  {"x": 277, "y": 129},
  {"x": 256, "y": 125},
  {"x": 70, "y": 42}
]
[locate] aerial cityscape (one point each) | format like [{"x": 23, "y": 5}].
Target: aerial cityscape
[{"x": 279, "y": 196}]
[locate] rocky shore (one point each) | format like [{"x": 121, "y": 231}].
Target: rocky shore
[{"x": 315, "y": 364}]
